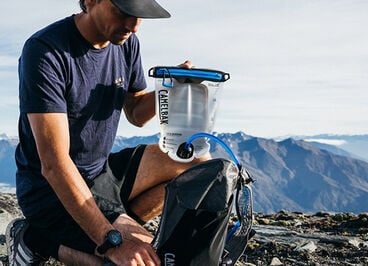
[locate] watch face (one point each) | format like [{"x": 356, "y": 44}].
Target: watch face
[{"x": 115, "y": 237}]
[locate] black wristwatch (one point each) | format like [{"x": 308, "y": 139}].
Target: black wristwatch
[{"x": 113, "y": 239}]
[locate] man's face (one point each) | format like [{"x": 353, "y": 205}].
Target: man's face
[{"x": 113, "y": 25}]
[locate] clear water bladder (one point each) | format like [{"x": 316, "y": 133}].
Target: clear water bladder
[{"x": 186, "y": 104}]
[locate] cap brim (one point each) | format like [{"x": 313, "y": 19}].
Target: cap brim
[{"x": 141, "y": 8}]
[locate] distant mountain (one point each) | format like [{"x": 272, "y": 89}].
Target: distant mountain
[
  {"x": 123, "y": 142},
  {"x": 295, "y": 175},
  {"x": 334, "y": 149},
  {"x": 7, "y": 164},
  {"x": 291, "y": 174},
  {"x": 355, "y": 145}
]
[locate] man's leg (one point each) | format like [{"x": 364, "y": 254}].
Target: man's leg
[
  {"x": 145, "y": 200},
  {"x": 148, "y": 204},
  {"x": 72, "y": 257},
  {"x": 155, "y": 170}
]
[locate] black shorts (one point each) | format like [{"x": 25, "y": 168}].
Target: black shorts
[{"x": 110, "y": 189}]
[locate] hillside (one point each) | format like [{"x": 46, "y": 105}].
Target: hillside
[
  {"x": 297, "y": 176},
  {"x": 355, "y": 145}
]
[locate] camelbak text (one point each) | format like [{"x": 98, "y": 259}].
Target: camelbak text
[
  {"x": 163, "y": 101},
  {"x": 169, "y": 259}
]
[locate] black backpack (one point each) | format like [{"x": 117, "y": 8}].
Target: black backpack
[{"x": 195, "y": 224}]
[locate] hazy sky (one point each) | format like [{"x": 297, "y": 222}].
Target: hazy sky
[{"x": 296, "y": 66}]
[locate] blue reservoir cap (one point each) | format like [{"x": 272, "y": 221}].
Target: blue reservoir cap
[{"x": 193, "y": 75}]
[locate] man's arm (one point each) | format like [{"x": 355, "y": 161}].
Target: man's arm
[
  {"x": 139, "y": 107},
  {"x": 52, "y": 140},
  {"x": 51, "y": 133}
]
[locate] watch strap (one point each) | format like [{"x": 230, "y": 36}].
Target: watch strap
[{"x": 108, "y": 243}]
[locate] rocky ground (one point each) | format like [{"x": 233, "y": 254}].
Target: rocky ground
[
  {"x": 284, "y": 238},
  {"x": 309, "y": 239}
]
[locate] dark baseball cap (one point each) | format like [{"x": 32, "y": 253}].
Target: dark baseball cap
[{"x": 141, "y": 8}]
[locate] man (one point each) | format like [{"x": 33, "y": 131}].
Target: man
[{"x": 76, "y": 76}]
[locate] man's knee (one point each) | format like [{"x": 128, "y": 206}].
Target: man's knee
[{"x": 156, "y": 167}]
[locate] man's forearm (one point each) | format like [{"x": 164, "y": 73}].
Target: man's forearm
[
  {"x": 78, "y": 200},
  {"x": 51, "y": 132},
  {"x": 140, "y": 107}
]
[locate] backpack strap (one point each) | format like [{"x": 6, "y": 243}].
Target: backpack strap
[{"x": 242, "y": 231}]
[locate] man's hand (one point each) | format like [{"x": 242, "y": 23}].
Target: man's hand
[
  {"x": 139, "y": 107},
  {"x": 136, "y": 248},
  {"x": 187, "y": 64}
]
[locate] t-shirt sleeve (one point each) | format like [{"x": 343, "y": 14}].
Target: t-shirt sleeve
[
  {"x": 137, "y": 78},
  {"x": 41, "y": 79}
]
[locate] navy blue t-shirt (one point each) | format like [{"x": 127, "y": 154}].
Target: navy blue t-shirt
[{"x": 60, "y": 72}]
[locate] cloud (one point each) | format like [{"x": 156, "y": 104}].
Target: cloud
[
  {"x": 8, "y": 62},
  {"x": 6, "y": 188},
  {"x": 334, "y": 142}
]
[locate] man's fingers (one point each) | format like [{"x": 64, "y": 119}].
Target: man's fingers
[{"x": 187, "y": 64}]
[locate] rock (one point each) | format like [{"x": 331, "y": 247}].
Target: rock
[
  {"x": 339, "y": 217},
  {"x": 355, "y": 242},
  {"x": 275, "y": 262},
  {"x": 264, "y": 221},
  {"x": 308, "y": 247},
  {"x": 281, "y": 223},
  {"x": 322, "y": 214},
  {"x": 9, "y": 204},
  {"x": 5, "y": 218}
]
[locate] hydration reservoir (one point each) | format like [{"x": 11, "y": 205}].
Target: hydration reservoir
[{"x": 186, "y": 104}]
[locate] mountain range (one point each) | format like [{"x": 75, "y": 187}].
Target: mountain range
[
  {"x": 306, "y": 174},
  {"x": 355, "y": 145}
]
